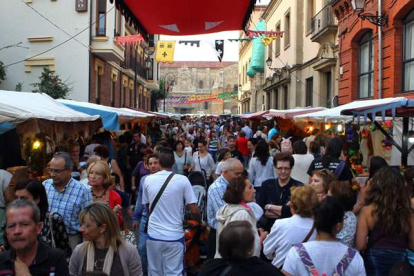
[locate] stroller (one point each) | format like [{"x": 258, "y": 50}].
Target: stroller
[
  {"x": 199, "y": 184},
  {"x": 196, "y": 236}
]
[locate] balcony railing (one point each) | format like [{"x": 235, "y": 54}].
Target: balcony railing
[{"x": 323, "y": 20}]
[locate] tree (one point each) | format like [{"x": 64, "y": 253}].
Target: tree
[
  {"x": 158, "y": 94},
  {"x": 18, "y": 87},
  {"x": 2, "y": 72},
  {"x": 52, "y": 85}
]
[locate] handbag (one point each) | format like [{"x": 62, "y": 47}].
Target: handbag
[
  {"x": 186, "y": 172},
  {"x": 157, "y": 197},
  {"x": 51, "y": 230}
]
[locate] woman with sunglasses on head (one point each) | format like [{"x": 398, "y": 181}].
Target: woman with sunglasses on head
[
  {"x": 53, "y": 230},
  {"x": 320, "y": 181}
]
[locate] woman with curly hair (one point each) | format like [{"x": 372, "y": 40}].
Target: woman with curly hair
[{"x": 387, "y": 220}]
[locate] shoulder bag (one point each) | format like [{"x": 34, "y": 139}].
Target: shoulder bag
[{"x": 157, "y": 197}]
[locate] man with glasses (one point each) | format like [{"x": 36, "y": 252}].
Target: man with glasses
[
  {"x": 66, "y": 196},
  {"x": 274, "y": 195}
]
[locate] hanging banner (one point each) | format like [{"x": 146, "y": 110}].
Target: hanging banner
[
  {"x": 239, "y": 39},
  {"x": 129, "y": 39},
  {"x": 253, "y": 34},
  {"x": 191, "y": 42},
  {"x": 220, "y": 49},
  {"x": 165, "y": 51}
]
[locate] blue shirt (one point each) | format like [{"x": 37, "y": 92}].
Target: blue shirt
[
  {"x": 140, "y": 209},
  {"x": 68, "y": 203},
  {"x": 215, "y": 200},
  {"x": 249, "y": 132}
]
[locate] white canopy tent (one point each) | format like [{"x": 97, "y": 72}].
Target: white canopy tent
[
  {"x": 17, "y": 107},
  {"x": 291, "y": 113}
]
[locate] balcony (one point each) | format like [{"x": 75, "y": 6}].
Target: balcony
[{"x": 324, "y": 25}]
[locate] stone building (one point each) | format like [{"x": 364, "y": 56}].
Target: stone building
[
  {"x": 303, "y": 62},
  {"x": 199, "y": 79}
]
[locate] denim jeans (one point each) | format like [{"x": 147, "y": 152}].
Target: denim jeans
[
  {"x": 213, "y": 154},
  {"x": 142, "y": 244},
  {"x": 379, "y": 261}
]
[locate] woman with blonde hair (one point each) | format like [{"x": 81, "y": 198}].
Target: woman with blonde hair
[
  {"x": 100, "y": 180},
  {"x": 296, "y": 229},
  {"x": 103, "y": 248}
]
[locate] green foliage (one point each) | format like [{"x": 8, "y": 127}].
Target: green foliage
[
  {"x": 52, "y": 85},
  {"x": 2, "y": 72},
  {"x": 18, "y": 87},
  {"x": 159, "y": 94}
]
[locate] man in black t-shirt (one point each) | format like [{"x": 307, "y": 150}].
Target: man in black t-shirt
[
  {"x": 275, "y": 193},
  {"x": 232, "y": 147},
  {"x": 29, "y": 256}
]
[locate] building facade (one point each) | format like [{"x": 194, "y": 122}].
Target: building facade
[
  {"x": 251, "y": 95},
  {"x": 358, "y": 54},
  {"x": 303, "y": 61},
  {"x": 197, "y": 80},
  {"x": 98, "y": 69}
]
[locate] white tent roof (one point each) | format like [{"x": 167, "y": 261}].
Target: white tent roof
[
  {"x": 20, "y": 106},
  {"x": 122, "y": 112},
  {"x": 290, "y": 113},
  {"x": 334, "y": 114}
]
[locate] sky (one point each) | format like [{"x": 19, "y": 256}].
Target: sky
[{"x": 205, "y": 52}]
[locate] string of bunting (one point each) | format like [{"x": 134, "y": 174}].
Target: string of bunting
[{"x": 253, "y": 34}]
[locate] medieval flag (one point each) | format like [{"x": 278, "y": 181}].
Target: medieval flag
[
  {"x": 220, "y": 49},
  {"x": 165, "y": 51}
]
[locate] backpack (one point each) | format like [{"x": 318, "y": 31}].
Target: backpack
[{"x": 286, "y": 145}]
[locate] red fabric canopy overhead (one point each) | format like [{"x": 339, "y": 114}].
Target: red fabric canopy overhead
[{"x": 186, "y": 17}]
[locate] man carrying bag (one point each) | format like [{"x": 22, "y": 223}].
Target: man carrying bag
[{"x": 165, "y": 194}]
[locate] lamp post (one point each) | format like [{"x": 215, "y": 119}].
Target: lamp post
[
  {"x": 277, "y": 71},
  {"x": 169, "y": 80},
  {"x": 380, "y": 21}
]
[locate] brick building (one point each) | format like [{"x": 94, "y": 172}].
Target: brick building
[{"x": 358, "y": 51}]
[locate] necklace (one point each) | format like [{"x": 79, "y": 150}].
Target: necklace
[{"x": 100, "y": 196}]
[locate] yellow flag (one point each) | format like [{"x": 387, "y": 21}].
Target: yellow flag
[{"x": 165, "y": 51}]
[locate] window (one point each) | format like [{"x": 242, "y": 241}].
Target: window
[
  {"x": 101, "y": 18},
  {"x": 408, "y": 56},
  {"x": 205, "y": 105},
  {"x": 270, "y": 50},
  {"x": 123, "y": 96},
  {"x": 118, "y": 22},
  {"x": 113, "y": 83},
  {"x": 150, "y": 72},
  {"x": 98, "y": 87},
  {"x": 130, "y": 97},
  {"x": 201, "y": 84},
  {"x": 366, "y": 67},
  {"x": 235, "y": 87},
  {"x": 277, "y": 41},
  {"x": 309, "y": 92},
  {"x": 286, "y": 34},
  {"x": 276, "y": 98},
  {"x": 285, "y": 97},
  {"x": 328, "y": 89},
  {"x": 311, "y": 14}
]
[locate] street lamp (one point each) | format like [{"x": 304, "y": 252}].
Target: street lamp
[
  {"x": 378, "y": 20},
  {"x": 277, "y": 71},
  {"x": 169, "y": 80}
]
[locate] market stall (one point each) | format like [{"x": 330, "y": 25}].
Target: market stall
[{"x": 33, "y": 123}]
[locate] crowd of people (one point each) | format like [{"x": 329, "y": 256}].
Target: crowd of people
[{"x": 276, "y": 204}]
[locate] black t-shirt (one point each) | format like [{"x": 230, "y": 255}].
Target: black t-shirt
[
  {"x": 252, "y": 266},
  {"x": 237, "y": 154},
  {"x": 272, "y": 193},
  {"x": 135, "y": 154},
  {"x": 48, "y": 261},
  {"x": 317, "y": 164}
]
